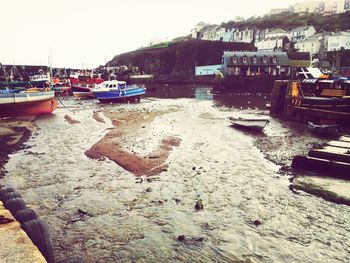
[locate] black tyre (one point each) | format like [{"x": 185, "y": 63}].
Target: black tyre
[
  {"x": 25, "y": 215},
  {"x": 10, "y": 195},
  {"x": 72, "y": 260},
  {"x": 6, "y": 190},
  {"x": 15, "y": 204},
  {"x": 38, "y": 232}
]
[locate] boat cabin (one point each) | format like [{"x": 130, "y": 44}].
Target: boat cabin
[
  {"x": 114, "y": 84},
  {"x": 319, "y": 99},
  {"x": 324, "y": 87}
]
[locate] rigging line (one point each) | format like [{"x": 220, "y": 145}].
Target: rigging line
[{"x": 63, "y": 104}]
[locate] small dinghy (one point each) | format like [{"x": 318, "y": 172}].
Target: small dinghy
[
  {"x": 257, "y": 124},
  {"x": 324, "y": 129}
]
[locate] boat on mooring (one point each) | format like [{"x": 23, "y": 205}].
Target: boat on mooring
[
  {"x": 114, "y": 90},
  {"x": 256, "y": 124},
  {"x": 316, "y": 98},
  {"x": 323, "y": 129},
  {"x": 18, "y": 102},
  {"x": 83, "y": 90},
  {"x": 83, "y": 82}
]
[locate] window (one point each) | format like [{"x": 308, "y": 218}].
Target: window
[
  {"x": 244, "y": 59},
  {"x": 264, "y": 59},
  {"x": 255, "y": 59},
  {"x": 234, "y": 59},
  {"x": 274, "y": 59}
]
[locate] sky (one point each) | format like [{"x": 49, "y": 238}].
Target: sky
[{"x": 88, "y": 33}]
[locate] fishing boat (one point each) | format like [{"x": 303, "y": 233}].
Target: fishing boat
[
  {"x": 26, "y": 102},
  {"x": 318, "y": 98},
  {"x": 61, "y": 88},
  {"x": 324, "y": 129},
  {"x": 40, "y": 80},
  {"x": 85, "y": 77},
  {"x": 256, "y": 124},
  {"x": 83, "y": 90},
  {"x": 115, "y": 90},
  {"x": 82, "y": 83}
]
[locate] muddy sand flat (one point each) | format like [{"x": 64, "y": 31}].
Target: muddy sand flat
[{"x": 128, "y": 126}]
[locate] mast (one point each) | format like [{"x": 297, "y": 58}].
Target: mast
[
  {"x": 3, "y": 70},
  {"x": 50, "y": 67}
]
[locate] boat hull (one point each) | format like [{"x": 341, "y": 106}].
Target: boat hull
[
  {"x": 119, "y": 95},
  {"x": 326, "y": 130},
  {"x": 82, "y": 92},
  {"x": 334, "y": 104},
  {"x": 23, "y": 97},
  {"x": 252, "y": 124},
  {"x": 28, "y": 108}
]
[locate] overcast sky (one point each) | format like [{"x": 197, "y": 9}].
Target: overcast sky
[{"x": 86, "y": 33}]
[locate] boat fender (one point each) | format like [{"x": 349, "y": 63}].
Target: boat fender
[
  {"x": 6, "y": 190},
  {"x": 25, "y": 215},
  {"x": 38, "y": 232},
  {"x": 10, "y": 195},
  {"x": 15, "y": 204}
]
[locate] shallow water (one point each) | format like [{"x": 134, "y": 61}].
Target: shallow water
[{"x": 129, "y": 221}]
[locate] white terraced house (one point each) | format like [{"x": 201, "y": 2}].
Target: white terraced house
[
  {"x": 311, "y": 45},
  {"x": 338, "y": 41},
  {"x": 302, "y": 33}
]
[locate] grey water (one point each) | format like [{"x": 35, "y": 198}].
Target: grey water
[{"x": 249, "y": 214}]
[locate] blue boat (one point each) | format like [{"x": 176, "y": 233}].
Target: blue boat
[{"x": 114, "y": 90}]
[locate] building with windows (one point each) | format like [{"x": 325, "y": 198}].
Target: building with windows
[
  {"x": 196, "y": 31},
  {"x": 311, "y": 45},
  {"x": 310, "y": 6},
  {"x": 343, "y": 6},
  {"x": 209, "y": 70},
  {"x": 260, "y": 34},
  {"x": 245, "y": 36},
  {"x": 314, "y": 45},
  {"x": 255, "y": 63},
  {"x": 277, "y": 32},
  {"x": 273, "y": 44},
  {"x": 228, "y": 35},
  {"x": 219, "y": 35},
  {"x": 330, "y": 7},
  {"x": 209, "y": 32},
  {"x": 338, "y": 41},
  {"x": 302, "y": 33}
]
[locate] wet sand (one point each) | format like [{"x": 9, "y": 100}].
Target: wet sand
[
  {"x": 13, "y": 133},
  {"x": 249, "y": 214},
  {"x": 127, "y": 126}
]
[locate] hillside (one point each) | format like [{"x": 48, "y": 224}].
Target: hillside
[
  {"x": 177, "y": 60},
  {"x": 289, "y": 21}
]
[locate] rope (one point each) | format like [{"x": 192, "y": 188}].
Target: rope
[{"x": 63, "y": 104}]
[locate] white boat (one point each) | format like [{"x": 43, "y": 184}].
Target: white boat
[
  {"x": 40, "y": 78},
  {"x": 257, "y": 124}
]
